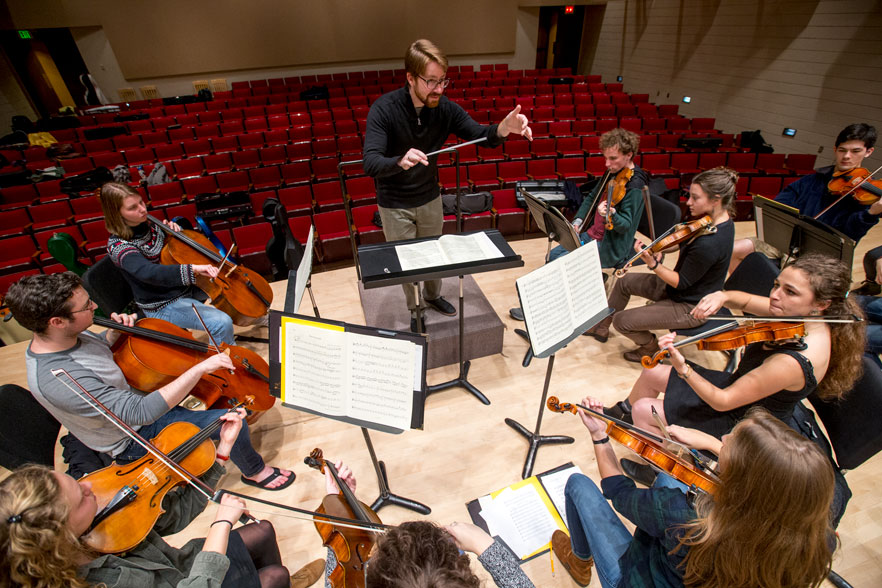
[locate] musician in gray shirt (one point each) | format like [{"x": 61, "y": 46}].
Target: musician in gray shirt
[{"x": 59, "y": 311}]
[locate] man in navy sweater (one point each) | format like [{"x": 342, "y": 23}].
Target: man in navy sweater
[
  {"x": 404, "y": 125},
  {"x": 810, "y": 195}
]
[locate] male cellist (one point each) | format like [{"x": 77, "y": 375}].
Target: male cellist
[
  {"x": 59, "y": 311},
  {"x": 810, "y": 195}
]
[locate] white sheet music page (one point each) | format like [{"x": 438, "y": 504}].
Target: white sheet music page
[
  {"x": 316, "y": 367},
  {"x": 585, "y": 281},
  {"x": 304, "y": 269},
  {"x": 381, "y": 380},
  {"x": 533, "y": 524},
  {"x": 446, "y": 250}
]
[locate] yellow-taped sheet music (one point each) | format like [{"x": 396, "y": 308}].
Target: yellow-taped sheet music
[{"x": 338, "y": 373}]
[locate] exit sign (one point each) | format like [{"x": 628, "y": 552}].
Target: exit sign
[
  {"x": 568, "y": 9},
  {"x": 24, "y": 34}
]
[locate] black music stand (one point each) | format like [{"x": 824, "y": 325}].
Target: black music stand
[
  {"x": 557, "y": 228},
  {"x": 784, "y": 228},
  {"x": 550, "y": 348},
  {"x": 386, "y": 497},
  {"x": 380, "y": 267}
]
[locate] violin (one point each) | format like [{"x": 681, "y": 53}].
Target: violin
[
  {"x": 154, "y": 352},
  {"x": 857, "y": 183},
  {"x": 731, "y": 336},
  {"x": 616, "y": 189},
  {"x": 351, "y": 546},
  {"x": 674, "y": 459},
  {"x": 679, "y": 233},
  {"x": 241, "y": 293}
]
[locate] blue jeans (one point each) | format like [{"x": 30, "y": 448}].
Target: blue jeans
[
  {"x": 243, "y": 455},
  {"x": 559, "y": 251},
  {"x": 180, "y": 312},
  {"x": 872, "y": 306},
  {"x": 595, "y": 529}
]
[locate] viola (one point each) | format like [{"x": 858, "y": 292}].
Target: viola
[
  {"x": 154, "y": 352},
  {"x": 616, "y": 190},
  {"x": 731, "y": 336},
  {"x": 351, "y": 546},
  {"x": 238, "y": 291},
  {"x": 857, "y": 183},
  {"x": 669, "y": 457},
  {"x": 674, "y": 236}
]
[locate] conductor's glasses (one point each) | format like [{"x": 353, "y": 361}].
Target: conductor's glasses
[{"x": 432, "y": 84}]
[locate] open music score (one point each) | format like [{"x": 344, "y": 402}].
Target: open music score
[
  {"x": 446, "y": 250},
  {"x": 371, "y": 377},
  {"x": 562, "y": 299}
]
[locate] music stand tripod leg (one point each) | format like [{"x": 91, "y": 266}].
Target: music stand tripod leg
[
  {"x": 535, "y": 439},
  {"x": 462, "y": 379},
  {"x": 312, "y": 298},
  {"x": 386, "y": 497},
  {"x": 528, "y": 356}
]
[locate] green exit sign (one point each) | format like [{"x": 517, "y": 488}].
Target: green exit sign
[{"x": 24, "y": 34}]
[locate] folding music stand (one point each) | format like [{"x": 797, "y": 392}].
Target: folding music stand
[
  {"x": 784, "y": 228},
  {"x": 557, "y": 228},
  {"x": 386, "y": 497},
  {"x": 566, "y": 277}
]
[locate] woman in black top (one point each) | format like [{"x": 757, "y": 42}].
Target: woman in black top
[{"x": 700, "y": 269}]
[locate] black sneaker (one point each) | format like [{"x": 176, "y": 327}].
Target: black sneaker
[
  {"x": 640, "y": 473},
  {"x": 516, "y": 313},
  {"x": 620, "y": 411},
  {"x": 442, "y": 306}
]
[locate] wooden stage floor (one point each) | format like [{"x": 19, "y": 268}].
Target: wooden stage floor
[{"x": 466, "y": 450}]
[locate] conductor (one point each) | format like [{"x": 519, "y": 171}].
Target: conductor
[{"x": 402, "y": 127}]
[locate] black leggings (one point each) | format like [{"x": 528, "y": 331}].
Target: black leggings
[{"x": 260, "y": 541}]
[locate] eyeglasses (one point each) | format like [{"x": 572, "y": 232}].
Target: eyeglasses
[
  {"x": 432, "y": 84},
  {"x": 89, "y": 306}
]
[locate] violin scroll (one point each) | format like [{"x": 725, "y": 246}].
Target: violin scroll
[
  {"x": 315, "y": 460},
  {"x": 650, "y": 362},
  {"x": 555, "y": 405}
]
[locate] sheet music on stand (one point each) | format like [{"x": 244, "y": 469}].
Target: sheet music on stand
[
  {"x": 304, "y": 270},
  {"x": 562, "y": 299},
  {"x": 373, "y": 378}
]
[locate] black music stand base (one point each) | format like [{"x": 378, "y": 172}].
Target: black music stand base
[
  {"x": 386, "y": 497},
  {"x": 536, "y": 440},
  {"x": 461, "y": 381}
]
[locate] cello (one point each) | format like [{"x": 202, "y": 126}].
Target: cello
[
  {"x": 129, "y": 496},
  {"x": 351, "y": 546},
  {"x": 155, "y": 352},
  {"x": 666, "y": 456},
  {"x": 241, "y": 293}
]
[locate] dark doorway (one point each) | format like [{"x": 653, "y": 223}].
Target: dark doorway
[
  {"x": 560, "y": 37},
  {"x": 48, "y": 66}
]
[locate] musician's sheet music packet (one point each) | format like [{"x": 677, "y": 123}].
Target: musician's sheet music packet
[
  {"x": 562, "y": 299},
  {"x": 525, "y": 514},
  {"x": 374, "y": 378}
]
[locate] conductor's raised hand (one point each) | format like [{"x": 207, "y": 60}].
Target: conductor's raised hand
[
  {"x": 594, "y": 425},
  {"x": 412, "y": 158},
  {"x": 517, "y": 123}
]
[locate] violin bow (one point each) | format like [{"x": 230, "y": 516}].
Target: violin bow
[
  {"x": 210, "y": 493},
  {"x": 833, "y": 318},
  {"x": 857, "y": 186}
]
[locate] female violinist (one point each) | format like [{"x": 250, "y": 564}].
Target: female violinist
[
  {"x": 421, "y": 553},
  {"x": 766, "y": 525},
  {"x": 619, "y": 148},
  {"x": 43, "y": 513},
  {"x": 161, "y": 291},
  {"x": 775, "y": 377},
  {"x": 700, "y": 269}
]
